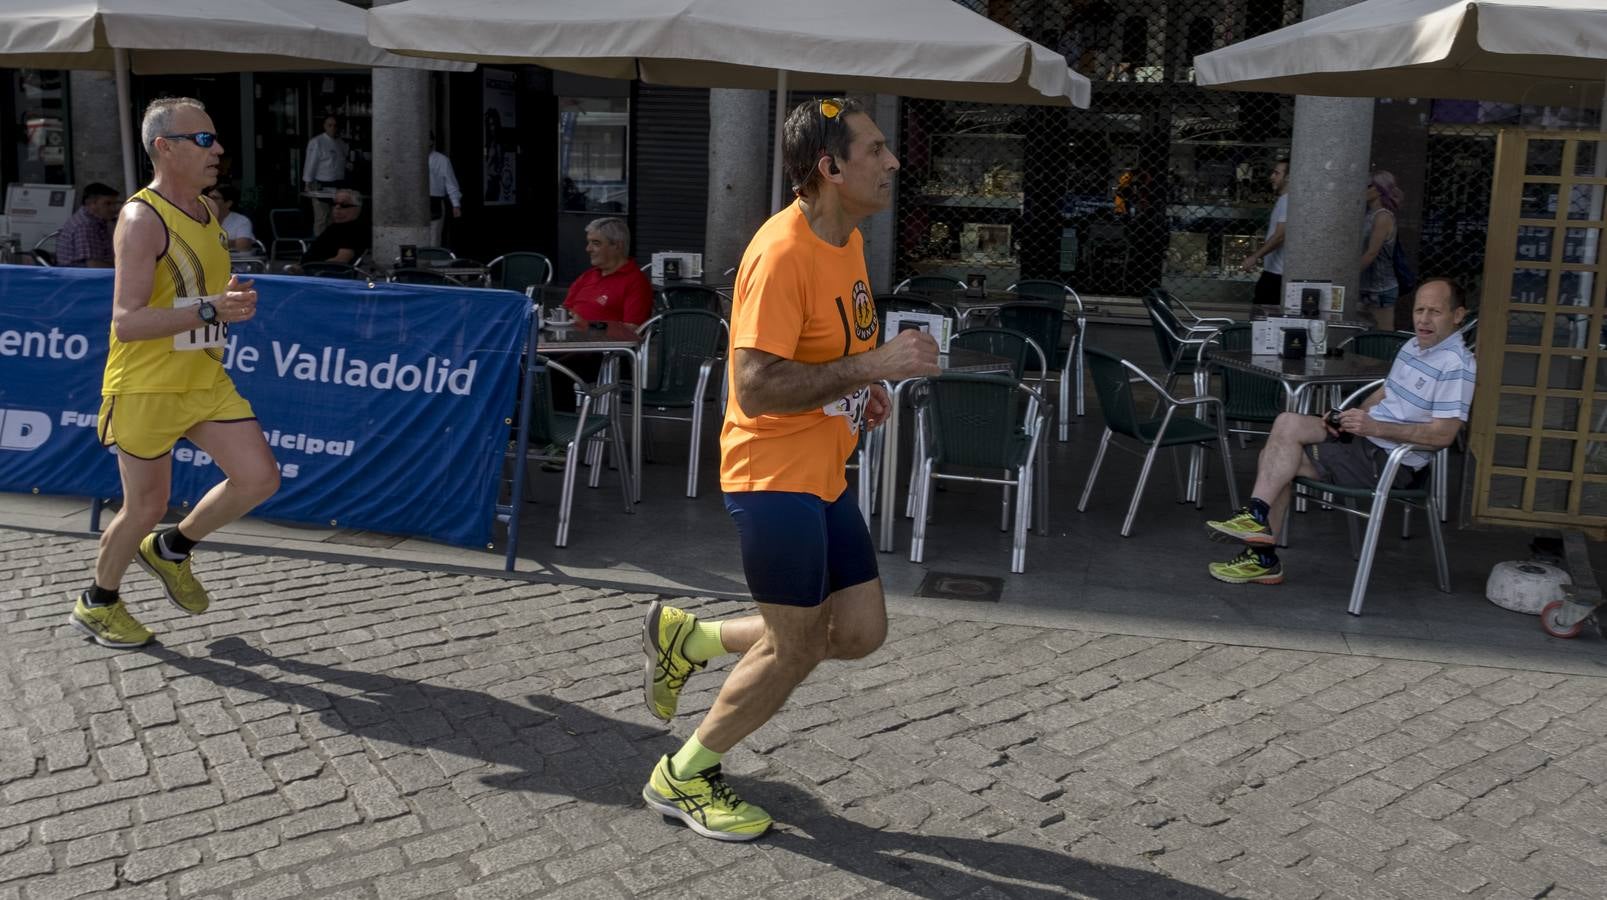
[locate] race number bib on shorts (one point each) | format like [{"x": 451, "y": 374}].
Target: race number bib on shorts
[
  {"x": 201, "y": 337},
  {"x": 852, "y": 407}
]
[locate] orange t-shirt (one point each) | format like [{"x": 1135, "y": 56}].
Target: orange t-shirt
[{"x": 799, "y": 298}]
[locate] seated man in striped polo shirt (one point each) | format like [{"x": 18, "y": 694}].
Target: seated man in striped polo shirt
[{"x": 1424, "y": 401}]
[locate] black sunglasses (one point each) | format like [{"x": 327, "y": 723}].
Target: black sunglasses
[
  {"x": 347, "y": 206},
  {"x": 202, "y": 139}
]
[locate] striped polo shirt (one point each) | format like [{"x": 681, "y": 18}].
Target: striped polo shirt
[{"x": 1424, "y": 385}]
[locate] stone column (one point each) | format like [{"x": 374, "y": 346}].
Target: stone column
[
  {"x": 97, "y": 146},
  {"x": 400, "y": 207},
  {"x": 1328, "y": 168},
  {"x": 739, "y": 177}
]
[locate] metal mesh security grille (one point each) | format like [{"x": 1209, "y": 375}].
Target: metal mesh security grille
[{"x": 1160, "y": 183}]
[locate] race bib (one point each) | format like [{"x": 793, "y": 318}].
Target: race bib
[
  {"x": 852, "y": 407},
  {"x": 202, "y": 337}
]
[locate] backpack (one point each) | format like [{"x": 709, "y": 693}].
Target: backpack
[{"x": 1405, "y": 276}]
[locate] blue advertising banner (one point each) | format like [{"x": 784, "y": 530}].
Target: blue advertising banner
[{"x": 386, "y": 406}]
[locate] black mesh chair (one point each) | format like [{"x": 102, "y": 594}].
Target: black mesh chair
[
  {"x": 520, "y": 270},
  {"x": 424, "y": 276},
  {"x": 291, "y": 231},
  {"x": 1383, "y": 345},
  {"x": 683, "y": 348},
  {"x": 691, "y": 296},
  {"x": 929, "y": 283},
  {"x": 1247, "y": 399},
  {"x": 1114, "y": 379},
  {"x": 989, "y": 423},
  {"x": 1049, "y": 291},
  {"x": 333, "y": 270}
]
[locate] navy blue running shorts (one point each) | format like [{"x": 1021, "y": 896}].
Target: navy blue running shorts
[{"x": 797, "y": 549}]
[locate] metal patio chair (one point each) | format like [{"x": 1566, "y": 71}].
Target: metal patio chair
[
  {"x": 1059, "y": 290},
  {"x": 683, "y": 349},
  {"x": 984, "y": 422},
  {"x": 573, "y": 431},
  {"x": 1420, "y": 494},
  {"x": 520, "y": 270},
  {"x": 1114, "y": 378}
]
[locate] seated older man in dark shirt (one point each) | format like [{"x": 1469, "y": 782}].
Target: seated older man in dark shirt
[
  {"x": 85, "y": 241},
  {"x": 347, "y": 236}
]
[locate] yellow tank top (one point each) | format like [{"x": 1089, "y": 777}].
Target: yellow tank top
[{"x": 194, "y": 265}]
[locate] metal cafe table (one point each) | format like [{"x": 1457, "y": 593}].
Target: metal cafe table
[
  {"x": 953, "y": 361},
  {"x": 1298, "y": 376},
  {"x": 617, "y": 340}
]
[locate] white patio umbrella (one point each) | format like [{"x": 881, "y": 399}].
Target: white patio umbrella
[
  {"x": 1521, "y": 51},
  {"x": 168, "y": 37},
  {"x": 913, "y": 48}
]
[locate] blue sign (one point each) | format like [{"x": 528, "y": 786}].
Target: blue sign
[{"x": 385, "y": 406}]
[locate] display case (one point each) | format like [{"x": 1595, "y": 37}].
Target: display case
[
  {"x": 1217, "y": 211},
  {"x": 966, "y": 200}
]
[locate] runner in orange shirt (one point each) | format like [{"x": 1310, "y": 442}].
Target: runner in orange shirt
[{"x": 805, "y": 378}]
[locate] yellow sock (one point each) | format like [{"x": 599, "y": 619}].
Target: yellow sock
[
  {"x": 704, "y": 644},
  {"x": 692, "y": 758}
]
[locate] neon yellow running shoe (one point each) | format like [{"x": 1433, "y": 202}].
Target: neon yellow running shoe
[
  {"x": 1244, "y": 527},
  {"x": 110, "y": 626},
  {"x": 1247, "y": 568},
  {"x": 666, "y": 669},
  {"x": 177, "y": 581},
  {"x": 705, "y": 803}
]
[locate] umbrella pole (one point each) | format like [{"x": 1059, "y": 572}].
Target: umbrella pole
[
  {"x": 781, "y": 118},
  {"x": 125, "y": 120}
]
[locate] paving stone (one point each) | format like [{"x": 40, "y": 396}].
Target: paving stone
[
  {"x": 148, "y": 865},
  {"x": 73, "y": 883}
]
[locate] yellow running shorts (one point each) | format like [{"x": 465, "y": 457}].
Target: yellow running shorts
[{"x": 148, "y": 425}]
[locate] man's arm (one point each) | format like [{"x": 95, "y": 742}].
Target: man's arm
[
  {"x": 454, "y": 194},
  {"x": 1271, "y": 244},
  {"x": 1436, "y": 433},
  {"x": 306, "y": 165},
  {"x": 343, "y": 255},
  {"x": 140, "y": 239},
  {"x": 767, "y": 384}
]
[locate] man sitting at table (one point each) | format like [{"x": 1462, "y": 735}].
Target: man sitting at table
[
  {"x": 347, "y": 235},
  {"x": 614, "y": 288},
  {"x": 1424, "y": 401}
]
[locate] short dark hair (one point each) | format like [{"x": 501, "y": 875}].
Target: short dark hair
[
  {"x": 808, "y": 135},
  {"x": 97, "y": 189},
  {"x": 1459, "y": 298},
  {"x": 229, "y": 193}
]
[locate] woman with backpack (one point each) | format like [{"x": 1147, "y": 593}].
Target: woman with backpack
[{"x": 1379, "y": 286}]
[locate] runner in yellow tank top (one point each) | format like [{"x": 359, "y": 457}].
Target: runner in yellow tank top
[{"x": 172, "y": 303}]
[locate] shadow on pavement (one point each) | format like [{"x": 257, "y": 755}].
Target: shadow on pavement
[{"x": 554, "y": 746}]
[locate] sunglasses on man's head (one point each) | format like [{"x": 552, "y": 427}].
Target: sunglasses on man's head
[
  {"x": 202, "y": 139},
  {"x": 830, "y": 108}
]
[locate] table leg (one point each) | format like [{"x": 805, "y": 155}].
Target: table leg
[
  {"x": 890, "y": 468},
  {"x": 638, "y": 366}
]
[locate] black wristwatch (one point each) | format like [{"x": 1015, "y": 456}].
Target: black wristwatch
[{"x": 207, "y": 312}]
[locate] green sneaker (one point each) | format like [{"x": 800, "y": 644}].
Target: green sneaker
[
  {"x": 663, "y": 636},
  {"x": 1247, "y": 568},
  {"x": 110, "y": 626},
  {"x": 180, "y": 585},
  {"x": 705, "y": 803},
  {"x": 1245, "y": 528}
]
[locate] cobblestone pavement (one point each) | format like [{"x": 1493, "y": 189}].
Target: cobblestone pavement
[{"x": 355, "y": 731}]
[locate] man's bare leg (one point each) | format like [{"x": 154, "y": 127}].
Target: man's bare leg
[
  {"x": 1283, "y": 458},
  {"x": 147, "y": 484},
  {"x": 851, "y": 624},
  {"x": 251, "y": 476}
]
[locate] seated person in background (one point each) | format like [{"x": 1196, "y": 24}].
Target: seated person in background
[
  {"x": 224, "y": 198},
  {"x": 1424, "y": 401},
  {"x": 346, "y": 238},
  {"x": 614, "y": 288},
  {"x": 85, "y": 241}
]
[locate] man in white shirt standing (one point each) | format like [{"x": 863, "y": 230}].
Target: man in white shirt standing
[
  {"x": 1269, "y": 290},
  {"x": 444, "y": 192},
  {"x": 323, "y": 167}
]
